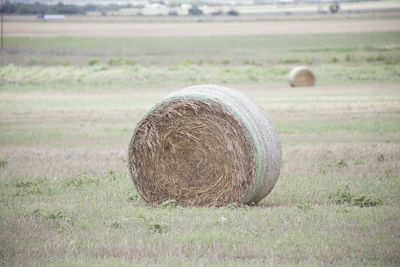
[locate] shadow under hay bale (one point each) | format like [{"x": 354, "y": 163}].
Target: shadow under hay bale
[
  {"x": 205, "y": 145},
  {"x": 301, "y": 76}
]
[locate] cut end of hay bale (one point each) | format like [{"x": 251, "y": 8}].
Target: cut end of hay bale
[
  {"x": 192, "y": 151},
  {"x": 301, "y": 76},
  {"x": 199, "y": 146}
]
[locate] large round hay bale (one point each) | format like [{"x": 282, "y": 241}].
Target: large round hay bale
[
  {"x": 205, "y": 145},
  {"x": 301, "y": 76}
]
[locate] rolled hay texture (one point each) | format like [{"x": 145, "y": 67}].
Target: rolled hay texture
[
  {"x": 301, "y": 76},
  {"x": 205, "y": 145}
]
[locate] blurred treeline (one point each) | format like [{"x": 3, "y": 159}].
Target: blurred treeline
[{"x": 60, "y": 8}]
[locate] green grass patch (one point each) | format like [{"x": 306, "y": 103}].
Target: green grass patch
[
  {"x": 211, "y": 50},
  {"x": 158, "y": 45},
  {"x": 69, "y": 78},
  {"x": 379, "y": 126},
  {"x": 344, "y": 196},
  {"x": 3, "y": 163}
]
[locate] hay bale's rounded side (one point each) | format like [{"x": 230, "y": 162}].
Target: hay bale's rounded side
[
  {"x": 205, "y": 145},
  {"x": 301, "y": 76}
]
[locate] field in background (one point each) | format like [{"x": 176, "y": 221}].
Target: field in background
[
  {"x": 350, "y": 40},
  {"x": 68, "y": 106},
  {"x": 56, "y": 29}
]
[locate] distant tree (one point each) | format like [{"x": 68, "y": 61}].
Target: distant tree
[
  {"x": 334, "y": 8},
  {"x": 195, "y": 11},
  {"x": 60, "y": 8},
  {"x": 233, "y": 13},
  {"x": 90, "y": 7}
]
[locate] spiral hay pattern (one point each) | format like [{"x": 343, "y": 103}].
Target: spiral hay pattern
[{"x": 205, "y": 145}]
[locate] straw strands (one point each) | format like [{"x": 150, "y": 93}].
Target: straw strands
[{"x": 205, "y": 145}]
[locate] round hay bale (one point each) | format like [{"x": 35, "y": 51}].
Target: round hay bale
[
  {"x": 301, "y": 76},
  {"x": 205, "y": 145}
]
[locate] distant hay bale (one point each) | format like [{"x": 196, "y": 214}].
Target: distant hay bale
[
  {"x": 205, "y": 145},
  {"x": 301, "y": 76}
]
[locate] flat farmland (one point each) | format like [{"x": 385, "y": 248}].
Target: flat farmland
[
  {"x": 258, "y": 51},
  {"x": 67, "y": 198},
  {"x": 69, "y": 104},
  {"x": 51, "y": 29}
]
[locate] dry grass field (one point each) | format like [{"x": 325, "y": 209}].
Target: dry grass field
[
  {"x": 68, "y": 107},
  {"x": 51, "y": 29}
]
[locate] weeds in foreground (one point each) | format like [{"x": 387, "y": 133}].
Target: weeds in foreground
[
  {"x": 381, "y": 158},
  {"x": 23, "y": 184},
  {"x": 57, "y": 217},
  {"x": 28, "y": 187},
  {"x": 111, "y": 176},
  {"x": 133, "y": 197},
  {"x": 168, "y": 204},
  {"x": 233, "y": 206},
  {"x": 388, "y": 172},
  {"x": 114, "y": 224},
  {"x": 3, "y": 163},
  {"x": 81, "y": 180},
  {"x": 51, "y": 214},
  {"x": 342, "y": 163},
  {"x": 358, "y": 161},
  {"x": 304, "y": 206},
  {"x": 343, "y": 196},
  {"x": 154, "y": 226}
]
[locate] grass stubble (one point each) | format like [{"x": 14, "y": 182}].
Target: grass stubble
[{"x": 67, "y": 198}]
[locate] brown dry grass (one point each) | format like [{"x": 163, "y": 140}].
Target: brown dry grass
[
  {"x": 61, "y": 204},
  {"x": 53, "y": 29}
]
